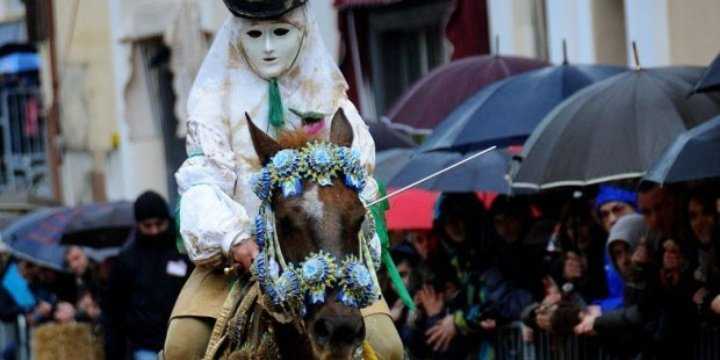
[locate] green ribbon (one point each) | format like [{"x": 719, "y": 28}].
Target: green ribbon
[
  {"x": 276, "y": 114},
  {"x": 378, "y": 214},
  {"x": 179, "y": 243}
]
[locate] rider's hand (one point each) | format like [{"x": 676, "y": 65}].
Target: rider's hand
[{"x": 244, "y": 253}]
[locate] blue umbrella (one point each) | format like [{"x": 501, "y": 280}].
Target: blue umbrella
[
  {"x": 41, "y": 236},
  {"x": 694, "y": 155},
  {"x": 388, "y": 163},
  {"x": 19, "y": 62},
  {"x": 506, "y": 112},
  {"x": 711, "y": 78},
  {"x": 486, "y": 173}
]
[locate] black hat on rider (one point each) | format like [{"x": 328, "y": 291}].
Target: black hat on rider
[{"x": 262, "y": 9}]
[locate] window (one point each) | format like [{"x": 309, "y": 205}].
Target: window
[
  {"x": 405, "y": 44},
  {"x": 159, "y": 77}
]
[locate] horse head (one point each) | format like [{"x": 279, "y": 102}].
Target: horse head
[{"x": 314, "y": 227}]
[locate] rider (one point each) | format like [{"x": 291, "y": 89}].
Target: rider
[{"x": 268, "y": 61}]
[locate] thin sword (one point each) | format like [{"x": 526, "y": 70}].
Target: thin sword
[{"x": 435, "y": 174}]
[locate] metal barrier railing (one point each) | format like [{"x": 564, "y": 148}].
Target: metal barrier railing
[
  {"x": 707, "y": 345},
  {"x": 510, "y": 345},
  {"x": 14, "y": 339}
]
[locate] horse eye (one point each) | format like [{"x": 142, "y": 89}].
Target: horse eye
[
  {"x": 281, "y": 31},
  {"x": 254, "y": 34}
]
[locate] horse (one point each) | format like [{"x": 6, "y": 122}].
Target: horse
[{"x": 325, "y": 219}]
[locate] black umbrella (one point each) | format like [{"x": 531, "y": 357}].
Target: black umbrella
[
  {"x": 388, "y": 138},
  {"x": 694, "y": 155},
  {"x": 613, "y": 129},
  {"x": 506, "y": 113},
  {"x": 485, "y": 173},
  {"x": 711, "y": 78},
  {"x": 41, "y": 236}
]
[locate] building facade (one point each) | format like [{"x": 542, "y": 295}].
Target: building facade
[{"x": 125, "y": 65}]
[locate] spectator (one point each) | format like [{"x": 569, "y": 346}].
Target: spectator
[
  {"x": 520, "y": 248},
  {"x": 407, "y": 262},
  {"x": 88, "y": 280},
  {"x": 677, "y": 320},
  {"x": 439, "y": 297},
  {"x": 45, "y": 299},
  {"x": 583, "y": 247},
  {"x": 486, "y": 299},
  {"x": 144, "y": 282},
  {"x": 624, "y": 237},
  {"x": 427, "y": 246},
  {"x": 662, "y": 210},
  {"x": 612, "y": 203},
  {"x": 704, "y": 224}
]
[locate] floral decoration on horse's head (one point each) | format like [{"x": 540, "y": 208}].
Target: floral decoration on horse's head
[
  {"x": 318, "y": 161},
  {"x": 307, "y": 283}
]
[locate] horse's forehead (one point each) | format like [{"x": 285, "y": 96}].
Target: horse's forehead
[{"x": 313, "y": 205}]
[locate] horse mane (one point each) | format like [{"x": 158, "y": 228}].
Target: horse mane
[{"x": 295, "y": 139}]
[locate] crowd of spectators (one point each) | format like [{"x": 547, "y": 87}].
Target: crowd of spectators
[
  {"x": 125, "y": 300},
  {"x": 635, "y": 267}
]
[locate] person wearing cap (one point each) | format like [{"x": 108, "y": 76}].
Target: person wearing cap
[
  {"x": 143, "y": 284},
  {"x": 267, "y": 61},
  {"x": 624, "y": 237},
  {"x": 612, "y": 203},
  {"x": 621, "y": 320}
]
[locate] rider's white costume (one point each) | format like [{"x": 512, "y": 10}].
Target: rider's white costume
[{"x": 217, "y": 200}]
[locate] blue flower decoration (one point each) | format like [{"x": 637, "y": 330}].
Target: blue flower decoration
[
  {"x": 322, "y": 164},
  {"x": 287, "y": 288},
  {"x": 286, "y": 162},
  {"x": 317, "y": 275},
  {"x": 260, "y": 230},
  {"x": 262, "y": 184},
  {"x": 356, "y": 285},
  {"x": 354, "y": 174},
  {"x": 265, "y": 281},
  {"x": 292, "y": 187}
]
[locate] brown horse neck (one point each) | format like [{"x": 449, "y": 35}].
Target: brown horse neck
[{"x": 291, "y": 343}]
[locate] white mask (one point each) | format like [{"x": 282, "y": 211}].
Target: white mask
[{"x": 271, "y": 47}]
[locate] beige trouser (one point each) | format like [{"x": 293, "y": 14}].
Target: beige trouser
[{"x": 188, "y": 337}]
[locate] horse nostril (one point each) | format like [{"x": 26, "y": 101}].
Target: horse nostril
[
  {"x": 339, "y": 331},
  {"x": 322, "y": 329},
  {"x": 350, "y": 332}
]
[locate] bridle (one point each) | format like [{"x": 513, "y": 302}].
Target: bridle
[{"x": 289, "y": 288}]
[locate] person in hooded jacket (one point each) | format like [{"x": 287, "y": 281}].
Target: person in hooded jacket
[
  {"x": 658, "y": 317},
  {"x": 144, "y": 282},
  {"x": 622, "y": 327}
]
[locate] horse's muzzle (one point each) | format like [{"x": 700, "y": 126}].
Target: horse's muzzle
[{"x": 336, "y": 331}]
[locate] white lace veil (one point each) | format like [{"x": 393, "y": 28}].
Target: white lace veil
[{"x": 313, "y": 84}]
